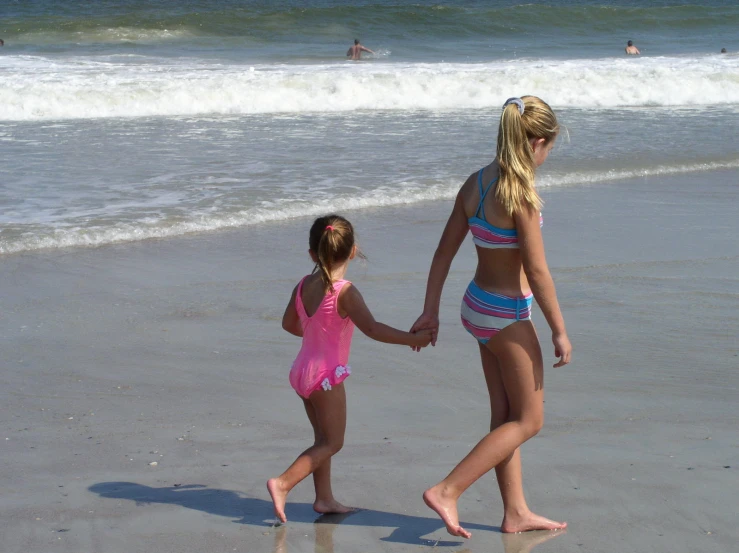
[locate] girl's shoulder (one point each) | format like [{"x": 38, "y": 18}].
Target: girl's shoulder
[
  {"x": 341, "y": 286},
  {"x": 309, "y": 281},
  {"x": 300, "y": 282},
  {"x": 307, "y": 278},
  {"x": 344, "y": 287},
  {"x": 346, "y": 295}
]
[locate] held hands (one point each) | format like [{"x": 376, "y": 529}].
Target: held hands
[
  {"x": 562, "y": 349},
  {"x": 426, "y": 322},
  {"x": 421, "y": 338}
]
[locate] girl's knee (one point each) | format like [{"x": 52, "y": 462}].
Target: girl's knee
[
  {"x": 532, "y": 424},
  {"x": 333, "y": 446}
]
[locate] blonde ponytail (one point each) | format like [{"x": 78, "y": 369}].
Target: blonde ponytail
[{"x": 515, "y": 189}]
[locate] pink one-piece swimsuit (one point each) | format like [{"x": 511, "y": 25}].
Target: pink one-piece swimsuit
[{"x": 327, "y": 339}]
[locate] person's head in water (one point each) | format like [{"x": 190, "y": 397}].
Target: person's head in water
[
  {"x": 629, "y": 43},
  {"x": 723, "y": 50},
  {"x": 356, "y": 41}
]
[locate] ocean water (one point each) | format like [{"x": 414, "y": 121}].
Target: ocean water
[{"x": 130, "y": 120}]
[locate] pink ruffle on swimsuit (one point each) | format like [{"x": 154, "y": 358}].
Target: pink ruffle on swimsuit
[{"x": 327, "y": 339}]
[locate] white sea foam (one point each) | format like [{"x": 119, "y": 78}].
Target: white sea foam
[
  {"x": 585, "y": 178},
  {"x": 276, "y": 210},
  {"x": 33, "y": 88}
]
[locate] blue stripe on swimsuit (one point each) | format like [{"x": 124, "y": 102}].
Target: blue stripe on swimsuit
[
  {"x": 484, "y": 313},
  {"x": 484, "y": 234}
]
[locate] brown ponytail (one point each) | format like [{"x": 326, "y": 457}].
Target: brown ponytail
[
  {"x": 332, "y": 240},
  {"x": 515, "y": 189}
]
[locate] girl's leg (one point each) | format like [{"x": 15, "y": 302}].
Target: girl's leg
[
  {"x": 325, "y": 502},
  {"x": 330, "y": 411},
  {"x": 519, "y": 356},
  {"x": 508, "y": 471},
  {"x": 517, "y": 516}
]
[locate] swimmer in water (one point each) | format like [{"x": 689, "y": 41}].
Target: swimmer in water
[{"x": 355, "y": 51}]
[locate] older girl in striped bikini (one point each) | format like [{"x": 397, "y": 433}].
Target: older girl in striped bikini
[{"x": 500, "y": 206}]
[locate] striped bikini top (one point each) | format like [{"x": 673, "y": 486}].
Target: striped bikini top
[{"x": 486, "y": 235}]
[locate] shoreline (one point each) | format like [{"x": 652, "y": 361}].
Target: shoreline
[{"x": 433, "y": 196}]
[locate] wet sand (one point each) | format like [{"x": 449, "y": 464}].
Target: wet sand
[{"x": 171, "y": 352}]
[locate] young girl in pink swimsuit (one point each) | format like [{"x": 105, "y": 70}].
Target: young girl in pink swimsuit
[{"x": 323, "y": 310}]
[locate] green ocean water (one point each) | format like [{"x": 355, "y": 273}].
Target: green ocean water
[{"x": 457, "y": 30}]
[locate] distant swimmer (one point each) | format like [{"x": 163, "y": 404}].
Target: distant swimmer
[
  {"x": 723, "y": 50},
  {"x": 2, "y": 42},
  {"x": 631, "y": 49},
  {"x": 355, "y": 52}
]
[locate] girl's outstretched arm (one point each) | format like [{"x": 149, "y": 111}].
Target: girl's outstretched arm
[
  {"x": 535, "y": 266},
  {"x": 352, "y": 303},
  {"x": 290, "y": 319},
  {"x": 451, "y": 239}
]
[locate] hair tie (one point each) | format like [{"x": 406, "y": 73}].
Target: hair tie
[
  {"x": 329, "y": 227},
  {"x": 516, "y": 101}
]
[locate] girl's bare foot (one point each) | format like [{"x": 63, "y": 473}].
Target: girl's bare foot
[
  {"x": 446, "y": 508},
  {"x": 278, "y": 496},
  {"x": 331, "y": 507},
  {"x": 527, "y": 522}
]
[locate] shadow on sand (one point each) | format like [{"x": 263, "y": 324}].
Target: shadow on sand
[{"x": 258, "y": 512}]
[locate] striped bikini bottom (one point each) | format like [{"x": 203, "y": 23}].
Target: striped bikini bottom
[{"x": 484, "y": 314}]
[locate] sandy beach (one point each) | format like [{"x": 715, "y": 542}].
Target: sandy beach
[{"x": 145, "y": 399}]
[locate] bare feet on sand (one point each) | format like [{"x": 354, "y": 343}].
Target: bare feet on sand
[
  {"x": 331, "y": 507},
  {"x": 528, "y": 522},
  {"x": 446, "y": 508},
  {"x": 278, "y": 496}
]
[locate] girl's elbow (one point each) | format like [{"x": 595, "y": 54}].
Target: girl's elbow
[
  {"x": 441, "y": 255},
  {"x": 375, "y": 331},
  {"x": 536, "y": 274},
  {"x": 370, "y": 330},
  {"x": 441, "y": 261}
]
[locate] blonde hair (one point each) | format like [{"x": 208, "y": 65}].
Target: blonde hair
[
  {"x": 515, "y": 189},
  {"x": 332, "y": 240}
]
